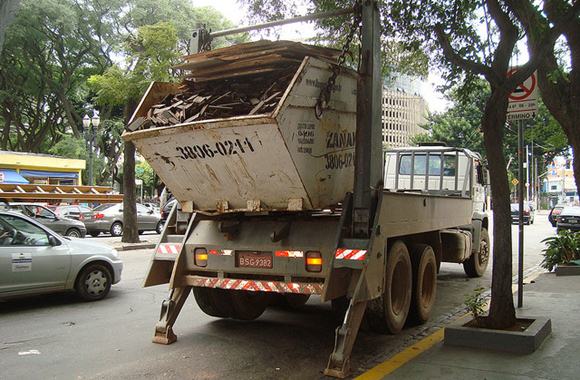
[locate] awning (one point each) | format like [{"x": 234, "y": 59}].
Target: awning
[
  {"x": 11, "y": 176},
  {"x": 43, "y": 174}
]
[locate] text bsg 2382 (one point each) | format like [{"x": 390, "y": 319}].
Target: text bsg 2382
[{"x": 219, "y": 148}]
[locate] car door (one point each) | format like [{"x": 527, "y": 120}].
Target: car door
[
  {"x": 145, "y": 219},
  {"x": 29, "y": 259}
]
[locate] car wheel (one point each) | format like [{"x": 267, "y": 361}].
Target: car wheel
[
  {"x": 73, "y": 232},
  {"x": 117, "y": 229},
  {"x": 159, "y": 227},
  {"x": 94, "y": 282}
]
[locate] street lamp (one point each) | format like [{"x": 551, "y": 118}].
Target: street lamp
[{"x": 90, "y": 124}]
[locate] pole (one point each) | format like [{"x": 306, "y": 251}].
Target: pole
[
  {"x": 528, "y": 199},
  {"x": 521, "y": 214},
  {"x": 369, "y": 148},
  {"x": 310, "y": 17},
  {"x": 91, "y": 142}
]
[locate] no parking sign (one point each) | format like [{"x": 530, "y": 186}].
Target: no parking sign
[{"x": 523, "y": 101}]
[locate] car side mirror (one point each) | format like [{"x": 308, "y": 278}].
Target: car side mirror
[{"x": 53, "y": 241}]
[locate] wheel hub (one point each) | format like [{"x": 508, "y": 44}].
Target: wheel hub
[{"x": 96, "y": 282}]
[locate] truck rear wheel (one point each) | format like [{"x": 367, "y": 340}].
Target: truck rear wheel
[
  {"x": 388, "y": 313},
  {"x": 424, "y": 282},
  {"x": 214, "y": 302},
  {"x": 248, "y": 305},
  {"x": 476, "y": 265}
]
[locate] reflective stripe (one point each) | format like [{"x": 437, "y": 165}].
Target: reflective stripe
[
  {"x": 259, "y": 286},
  {"x": 350, "y": 254},
  {"x": 168, "y": 248}
]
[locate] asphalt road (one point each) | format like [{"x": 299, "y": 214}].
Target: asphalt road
[{"x": 57, "y": 336}]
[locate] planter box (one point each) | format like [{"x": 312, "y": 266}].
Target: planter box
[
  {"x": 519, "y": 342},
  {"x": 567, "y": 270}
]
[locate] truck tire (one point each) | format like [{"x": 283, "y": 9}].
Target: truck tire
[
  {"x": 424, "y": 282},
  {"x": 248, "y": 305},
  {"x": 477, "y": 263},
  {"x": 388, "y": 313},
  {"x": 213, "y": 302}
]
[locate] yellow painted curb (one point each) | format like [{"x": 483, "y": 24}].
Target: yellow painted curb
[{"x": 402, "y": 357}]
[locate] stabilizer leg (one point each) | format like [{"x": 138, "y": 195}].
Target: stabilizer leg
[
  {"x": 170, "y": 309},
  {"x": 339, "y": 361}
]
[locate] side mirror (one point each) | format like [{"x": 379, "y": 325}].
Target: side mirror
[{"x": 53, "y": 241}]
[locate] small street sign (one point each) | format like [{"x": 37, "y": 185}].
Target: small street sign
[
  {"x": 515, "y": 181},
  {"x": 523, "y": 102}
]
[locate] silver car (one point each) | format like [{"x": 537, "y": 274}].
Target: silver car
[
  {"x": 108, "y": 217},
  {"x": 62, "y": 225},
  {"x": 35, "y": 260}
]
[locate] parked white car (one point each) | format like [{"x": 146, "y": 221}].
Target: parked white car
[{"x": 35, "y": 259}]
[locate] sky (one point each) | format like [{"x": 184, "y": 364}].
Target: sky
[{"x": 301, "y": 31}]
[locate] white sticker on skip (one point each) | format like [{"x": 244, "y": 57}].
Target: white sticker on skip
[{"x": 21, "y": 262}]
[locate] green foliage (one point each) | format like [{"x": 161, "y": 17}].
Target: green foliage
[
  {"x": 144, "y": 172},
  {"x": 561, "y": 249},
  {"x": 70, "y": 147},
  {"x": 475, "y": 303}
]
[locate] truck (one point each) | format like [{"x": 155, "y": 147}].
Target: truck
[{"x": 299, "y": 198}]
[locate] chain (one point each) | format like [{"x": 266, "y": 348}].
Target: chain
[{"x": 322, "y": 101}]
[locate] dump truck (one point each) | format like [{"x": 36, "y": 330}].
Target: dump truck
[{"x": 274, "y": 152}]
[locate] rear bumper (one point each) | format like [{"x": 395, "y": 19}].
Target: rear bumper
[
  {"x": 568, "y": 226},
  {"x": 256, "y": 285}
]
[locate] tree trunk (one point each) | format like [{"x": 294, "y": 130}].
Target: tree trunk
[
  {"x": 130, "y": 230},
  {"x": 502, "y": 312}
]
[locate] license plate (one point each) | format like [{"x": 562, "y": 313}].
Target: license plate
[{"x": 254, "y": 260}]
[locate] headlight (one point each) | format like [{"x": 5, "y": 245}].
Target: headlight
[{"x": 115, "y": 253}]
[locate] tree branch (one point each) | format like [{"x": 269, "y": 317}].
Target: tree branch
[{"x": 455, "y": 58}]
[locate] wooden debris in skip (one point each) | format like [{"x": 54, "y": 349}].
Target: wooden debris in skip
[{"x": 246, "y": 79}]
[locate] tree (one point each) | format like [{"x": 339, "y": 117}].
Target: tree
[
  {"x": 150, "y": 55},
  {"x": 50, "y": 51},
  {"x": 560, "y": 87},
  {"x": 7, "y": 10}
]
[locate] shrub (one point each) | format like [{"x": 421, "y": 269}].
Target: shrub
[{"x": 561, "y": 249}]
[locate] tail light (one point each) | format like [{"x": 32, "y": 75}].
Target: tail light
[
  {"x": 313, "y": 261},
  {"x": 526, "y": 212},
  {"x": 98, "y": 215},
  {"x": 200, "y": 257},
  {"x": 81, "y": 217}
]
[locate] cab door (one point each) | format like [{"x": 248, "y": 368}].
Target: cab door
[{"x": 28, "y": 259}]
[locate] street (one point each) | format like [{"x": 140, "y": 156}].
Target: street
[{"x": 57, "y": 336}]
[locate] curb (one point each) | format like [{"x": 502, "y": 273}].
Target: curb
[{"x": 135, "y": 246}]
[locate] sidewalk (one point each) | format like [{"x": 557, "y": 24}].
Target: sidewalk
[
  {"x": 147, "y": 242},
  {"x": 554, "y": 297}
]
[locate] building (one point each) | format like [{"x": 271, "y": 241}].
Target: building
[
  {"x": 559, "y": 183},
  {"x": 404, "y": 110},
  {"x": 41, "y": 169}
]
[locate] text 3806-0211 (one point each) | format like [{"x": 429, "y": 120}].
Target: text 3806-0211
[{"x": 219, "y": 148}]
